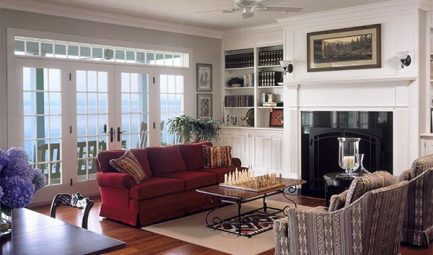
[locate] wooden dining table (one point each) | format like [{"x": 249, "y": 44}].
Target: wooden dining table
[{"x": 35, "y": 233}]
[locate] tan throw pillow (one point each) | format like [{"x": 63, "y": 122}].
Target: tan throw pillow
[
  {"x": 217, "y": 156},
  {"x": 365, "y": 183},
  {"x": 337, "y": 201},
  {"x": 129, "y": 164}
]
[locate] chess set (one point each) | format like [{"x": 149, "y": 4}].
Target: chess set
[{"x": 245, "y": 180}]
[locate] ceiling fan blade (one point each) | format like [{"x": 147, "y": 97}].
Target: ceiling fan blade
[
  {"x": 280, "y": 9},
  {"x": 230, "y": 10},
  {"x": 220, "y": 10},
  {"x": 246, "y": 15}
]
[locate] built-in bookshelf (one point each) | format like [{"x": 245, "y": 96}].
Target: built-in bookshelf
[{"x": 252, "y": 78}]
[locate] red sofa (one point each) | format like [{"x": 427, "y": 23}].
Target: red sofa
[{"x": 169, "y": 192}]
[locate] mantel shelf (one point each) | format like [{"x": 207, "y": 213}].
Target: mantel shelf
[{"x": 364, "y": 81}]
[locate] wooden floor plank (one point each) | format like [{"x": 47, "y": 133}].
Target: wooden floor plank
[{"x": 144, "y": 242}]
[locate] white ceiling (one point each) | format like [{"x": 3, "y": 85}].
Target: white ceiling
[{"x": 184, "y": 11}]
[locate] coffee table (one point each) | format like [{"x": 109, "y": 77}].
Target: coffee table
[{"x": 223, "y": 195}]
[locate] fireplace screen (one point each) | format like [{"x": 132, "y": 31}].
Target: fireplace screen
[{"x": 320, "y": 130}]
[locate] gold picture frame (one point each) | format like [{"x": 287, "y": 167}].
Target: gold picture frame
[{"x": 343, "y": 49}]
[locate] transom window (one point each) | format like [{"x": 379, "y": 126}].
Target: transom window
[{"x": 27, "y": 46}]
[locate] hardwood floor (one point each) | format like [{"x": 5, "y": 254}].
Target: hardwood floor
[{"x": 144, "y": 242}]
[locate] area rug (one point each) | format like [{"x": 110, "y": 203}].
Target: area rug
[{"x": 193, "y": 229}]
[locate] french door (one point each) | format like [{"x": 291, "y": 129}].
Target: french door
[{"x": 64, "y": 114}]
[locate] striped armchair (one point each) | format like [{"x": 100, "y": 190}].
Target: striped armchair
[
  {"x": 418, "y": 217},
  {"x": 370, "y": 225}
]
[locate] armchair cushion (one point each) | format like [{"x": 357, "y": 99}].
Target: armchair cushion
[
  {"x": 365, "y": 183},
  {"x": 115, "y": 180},
  {"x": 337, "y": 201}
]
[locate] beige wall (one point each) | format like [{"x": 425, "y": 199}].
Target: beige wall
[{"x": 204, "y": 50}]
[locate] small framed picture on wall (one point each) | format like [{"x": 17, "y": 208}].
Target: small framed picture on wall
[
  {"x": 204, "y": 106},
  {"x": 204, "y": 77}
]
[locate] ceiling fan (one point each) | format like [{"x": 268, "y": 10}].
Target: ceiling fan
[{"x": 248, "y": 7}]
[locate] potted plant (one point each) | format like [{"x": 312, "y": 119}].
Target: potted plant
[{"x": 189, "y": 130}]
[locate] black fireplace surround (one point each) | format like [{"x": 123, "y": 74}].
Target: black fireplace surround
[{"x": 319, "y": 132}]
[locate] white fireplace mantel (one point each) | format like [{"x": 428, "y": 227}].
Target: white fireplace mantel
[{"x": 392, "y": 94}]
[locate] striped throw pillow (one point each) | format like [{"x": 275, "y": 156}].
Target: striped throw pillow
[
  {"x": 129, "y": 164},
  {"x": 217, "y": 156}
]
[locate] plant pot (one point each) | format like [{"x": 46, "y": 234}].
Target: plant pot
[{"x": 5, "y": 223}]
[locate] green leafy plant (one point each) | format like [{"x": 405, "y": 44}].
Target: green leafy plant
[{"x": 189, "y": 130}]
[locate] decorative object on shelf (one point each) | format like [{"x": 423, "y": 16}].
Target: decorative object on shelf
[
  {"x": 204, "y": 106},
  {"x": 235, "y": 82},
  {"x": 189, "y": 130},
  {"x": 270, "y": 101},
  {"x": 204, "y": 77},
  {"x": 18, "y": 181},
  {"x": 249, "y": 117},
  {"x": 348, "y": 154},
  {"x": 287, "y": 66},
  {"x": 342, "y": 49},
  {"x": 276, "y": 118},
  {"x": 405, "y": 59}
]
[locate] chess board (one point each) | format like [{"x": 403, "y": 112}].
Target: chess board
[{"x": 243, "y": 186}]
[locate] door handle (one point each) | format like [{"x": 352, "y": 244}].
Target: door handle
[
  {"x": 119, "y": 133},
  {"x": 111, "y": 134}
]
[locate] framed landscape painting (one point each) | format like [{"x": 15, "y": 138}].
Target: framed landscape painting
[
  {"x": 204, "y": 77},
  {"x": 342, "y": 49},
  {"x": 204, "y": 106}
]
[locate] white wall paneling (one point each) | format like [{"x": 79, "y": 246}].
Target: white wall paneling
[{"x": 389, "y": 88}]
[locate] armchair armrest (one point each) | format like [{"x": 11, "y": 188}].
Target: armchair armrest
[
  {"x": 236, "y": 162},
  {"x": 115, "y": 180}
]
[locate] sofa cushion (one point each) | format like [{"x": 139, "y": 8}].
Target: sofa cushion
[
  {"x": 192, "y": 154},
  {"x": 194, "y": 179},
  {"x": 155, "y": 187},
  {"x": 220, "y": 172},
  {"x": 127, "y": 163},
  {"x": 165, "y": 160},
  {"x": 103, "y": 160},
  {"x": 143, "y": 158},
  {"x": 217, "y": 156},
  {"x": 421, "y": 164},
  {"x": 365, "y": 183}
]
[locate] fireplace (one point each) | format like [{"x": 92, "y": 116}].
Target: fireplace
[{"x": 319, "y": 144}]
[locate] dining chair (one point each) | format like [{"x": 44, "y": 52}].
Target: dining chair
[{"x": 75, "y": 201}]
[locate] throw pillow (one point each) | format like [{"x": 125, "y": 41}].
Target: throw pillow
[
  {"x": 217, "y": 156},
  {"x": 337, "y": 201},
  {"x": 129, "y": 164},
  {"x": 365, "y": 183}
]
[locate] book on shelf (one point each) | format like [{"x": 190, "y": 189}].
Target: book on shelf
[
  {"x": 270, "y": 58},
  {"x": 239, "y": 60},
  {"x": 239, "y": 101},
  {"x": 271, "y": 78}
]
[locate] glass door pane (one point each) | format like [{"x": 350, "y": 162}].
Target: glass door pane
[
  {"x": 135, "y": 110},
  {"x": 42, "y": 108},
  {"x": 92, "y": 119},
  {"x": 171, "y": 103}
]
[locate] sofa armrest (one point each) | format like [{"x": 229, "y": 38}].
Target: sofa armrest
[
  {"x": 115, "y": 180},
  {"x": 236, "y": 162}
]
